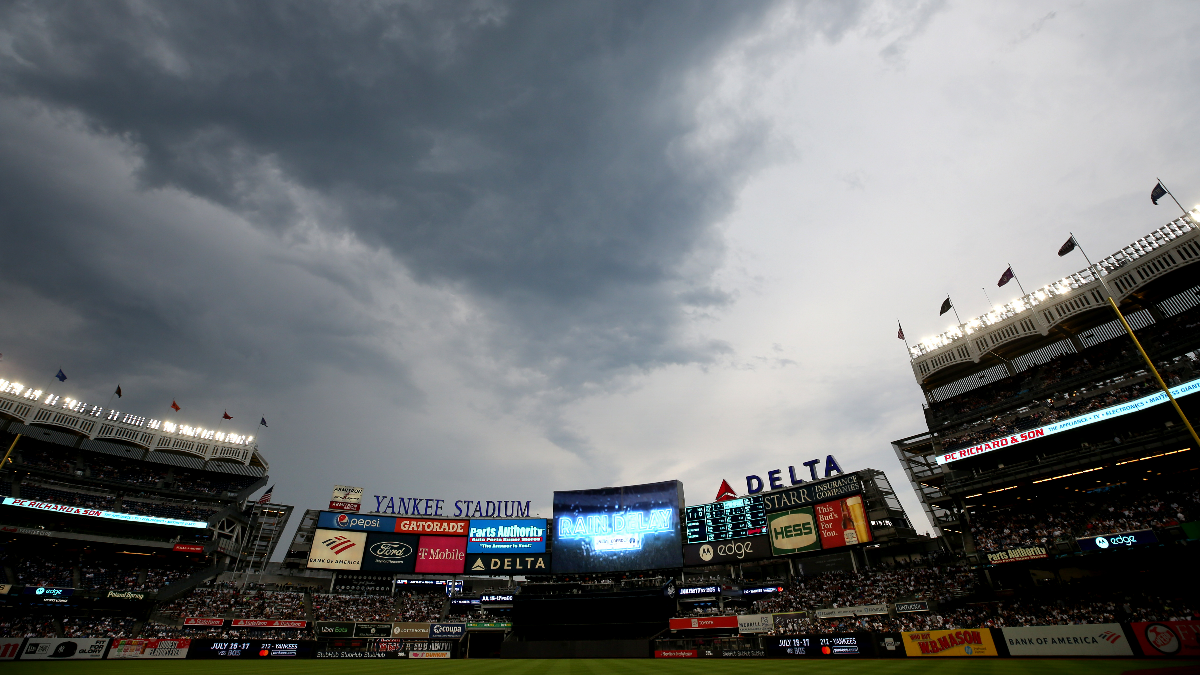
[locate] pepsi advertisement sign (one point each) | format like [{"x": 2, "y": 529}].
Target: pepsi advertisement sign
[
  {"x": 507, "y": 536},
  {"x": 1108, "y": 542},
  {"x": 356, "y": 522}
]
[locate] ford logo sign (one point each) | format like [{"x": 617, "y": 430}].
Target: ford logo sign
[{"x": 391, "y": 551}]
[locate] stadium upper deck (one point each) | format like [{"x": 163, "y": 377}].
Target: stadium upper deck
[
  {"x": 1051, "y": 386},
  {"x": 1020, "y": 334},
  {"x": 36, "y": 407}
]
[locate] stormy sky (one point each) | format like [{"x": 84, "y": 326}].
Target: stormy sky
[{"x": 488, "y": 249}]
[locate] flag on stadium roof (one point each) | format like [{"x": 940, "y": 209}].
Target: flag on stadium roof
[
  {"x": 62, "y": 377},
  {"x": 900, "y": 333},
  {"x": 226, "y": 416},
  {"x": 1157, "y": 193},
  {"x": 263, "y": 422},
  {"x": 1068, "y": 247},
  {"x": 945, "y": 306},
  {"x": 118, "y": 391},
  {"x": 725, "y": 493},
  {"x": 174, "y": 405},
  {"x": 266, "y": 498},
  {"x": 1006, "y": 277}
]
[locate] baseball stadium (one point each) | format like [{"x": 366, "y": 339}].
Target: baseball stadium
[{"x": 1057, "y": 472}]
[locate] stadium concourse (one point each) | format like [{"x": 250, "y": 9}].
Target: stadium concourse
[{"x": 1061, "y": 485}]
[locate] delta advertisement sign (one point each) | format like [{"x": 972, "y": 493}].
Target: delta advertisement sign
[
  {"x": 1072, "y": 423},
  {"x": 96, "y": 513}
]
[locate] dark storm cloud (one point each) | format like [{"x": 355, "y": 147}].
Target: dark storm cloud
[{"x": 537, "y": 154}]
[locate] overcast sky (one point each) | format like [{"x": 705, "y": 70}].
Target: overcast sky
[{"x": 488, "y": 250}]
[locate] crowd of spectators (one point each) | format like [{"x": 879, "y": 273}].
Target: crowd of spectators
[
  {"x": 69, "y": 497},
  {"x": 1121, "y": 509},
  {"x": 158, "y": 630},
  {"x": 142, "y": 474},
  {"x": 35, "y": 570},
  {"x": 23, "y": 627},
  {"x": 337, "y": 607},
  {"x": 872, "y": 587},
  {"x": 183, "y": 511},
  {"x": 98, "y": 627},
  {"x": 231, "y": 600},
  {"x": 1114, "y": 359}
]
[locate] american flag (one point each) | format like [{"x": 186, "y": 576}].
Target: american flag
[{"x": 266, "y": 498}]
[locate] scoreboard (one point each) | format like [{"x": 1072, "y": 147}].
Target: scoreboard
[{"x": 732, "y": 519}]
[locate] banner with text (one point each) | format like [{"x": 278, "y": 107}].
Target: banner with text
[
  {"x": 1101, "y": 639},
  {"x": 966, "y": 642}
]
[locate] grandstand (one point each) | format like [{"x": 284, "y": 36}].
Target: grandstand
[{"x": 107, "y": 515}]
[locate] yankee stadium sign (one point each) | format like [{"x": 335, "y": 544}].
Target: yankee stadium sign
[{"x": 463, "y": 508}]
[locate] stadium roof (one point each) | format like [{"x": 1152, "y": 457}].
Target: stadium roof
[
  {"x": 35, "y": 407},
  {"x": 1126, "y": 271}
]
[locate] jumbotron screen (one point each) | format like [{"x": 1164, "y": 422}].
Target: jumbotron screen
[{"x": 618, "y": 528}]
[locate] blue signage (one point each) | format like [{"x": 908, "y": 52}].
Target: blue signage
[
  {"x": 507, "y": 536},
  {"x": 1121, "y": 540},
  {"x": 774, "y": 480},
  {"x": 617, "y": 529},
  {"x": 701, "y": 590},
  {"x": 447, "y": 630},
  {"x": 356, "y": 522}
]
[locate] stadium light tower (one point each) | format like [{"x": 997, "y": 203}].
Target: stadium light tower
[{"x": 1073, "y": 243}]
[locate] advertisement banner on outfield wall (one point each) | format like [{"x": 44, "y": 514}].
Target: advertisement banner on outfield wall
[
  {"x": 333, "y": 550},
  {"x": 1100, "y": 639},
  {"x": 1168, "y": 638},
  {"x": 10, "y": 648},
  {"x": 410, "y": 629},
  {"x": 675, "y": 653},
  {"x": 334, "y": 629},
  {"x": 64, "y": 648},
  {"x": 158, "y": 648},
  {"x": 966, "y": 642},
  {"x": 373, "y": 630},
  {"x": 704, "y": 622},
  {"x": 726, "y": 552},
  {"x": 755, "y": 623}
]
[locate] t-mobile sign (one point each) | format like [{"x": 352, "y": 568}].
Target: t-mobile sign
[{"x": 445, "y": 555}]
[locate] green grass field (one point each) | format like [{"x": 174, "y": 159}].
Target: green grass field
[{"x": 606, "y": 667}]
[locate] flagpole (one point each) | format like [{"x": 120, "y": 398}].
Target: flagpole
[
  {"x": 4, "y": 462},
  {"x": 955, "y": 309},
  {"x": 1164, "y": 187},
  {"x": 905, "y": 338},
  {"x": 989, "y": 298},
  {"x": 1136, "y": 343},
  {"x": 1018, "y": 280}
]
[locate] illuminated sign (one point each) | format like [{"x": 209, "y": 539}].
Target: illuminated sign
[
  {"x": 1115, "y": 541},
  {"x": 506, "y": 564},
  {"x": 1072, "y": 423},
  {"x": 701, "y": 590},
  {"x": 507, "y": 536},
  {"x": 1017, "y": 555},
  {"x": 731, "y": 551},
  {"x": 636, "y": 527},
  {"x": 793, "y": 531},
  {"x": 774, "y": 480},
  {"x": 811, "y": 493},
  {"x": 337, "y": 550},
  {"x": 95, "y": 513}
]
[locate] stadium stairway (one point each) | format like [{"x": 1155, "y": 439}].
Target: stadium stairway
[
  {"x": 309, "y": 614},
  {"x": 172, "y": 591}
]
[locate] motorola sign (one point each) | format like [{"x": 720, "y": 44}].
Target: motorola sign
[
  {"x": 1115, "y": 541},
  {"x": 724, "y": 552}
]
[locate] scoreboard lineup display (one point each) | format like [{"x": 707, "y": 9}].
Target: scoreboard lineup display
[{"x": 731, "y": 519}]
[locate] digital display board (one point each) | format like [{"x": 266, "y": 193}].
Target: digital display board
[
  {"x": 731, "y": 519},
  {"x": 507, "y": 536},
  {"x": 817, "y": 645},
  {"x": 1114, "y": 541},
  {"x": 636, "y": 527}
]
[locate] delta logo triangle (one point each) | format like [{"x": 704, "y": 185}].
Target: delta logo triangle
[
  {"x": 725, "y": 493},
  {"x": 478, "y": 564}
]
